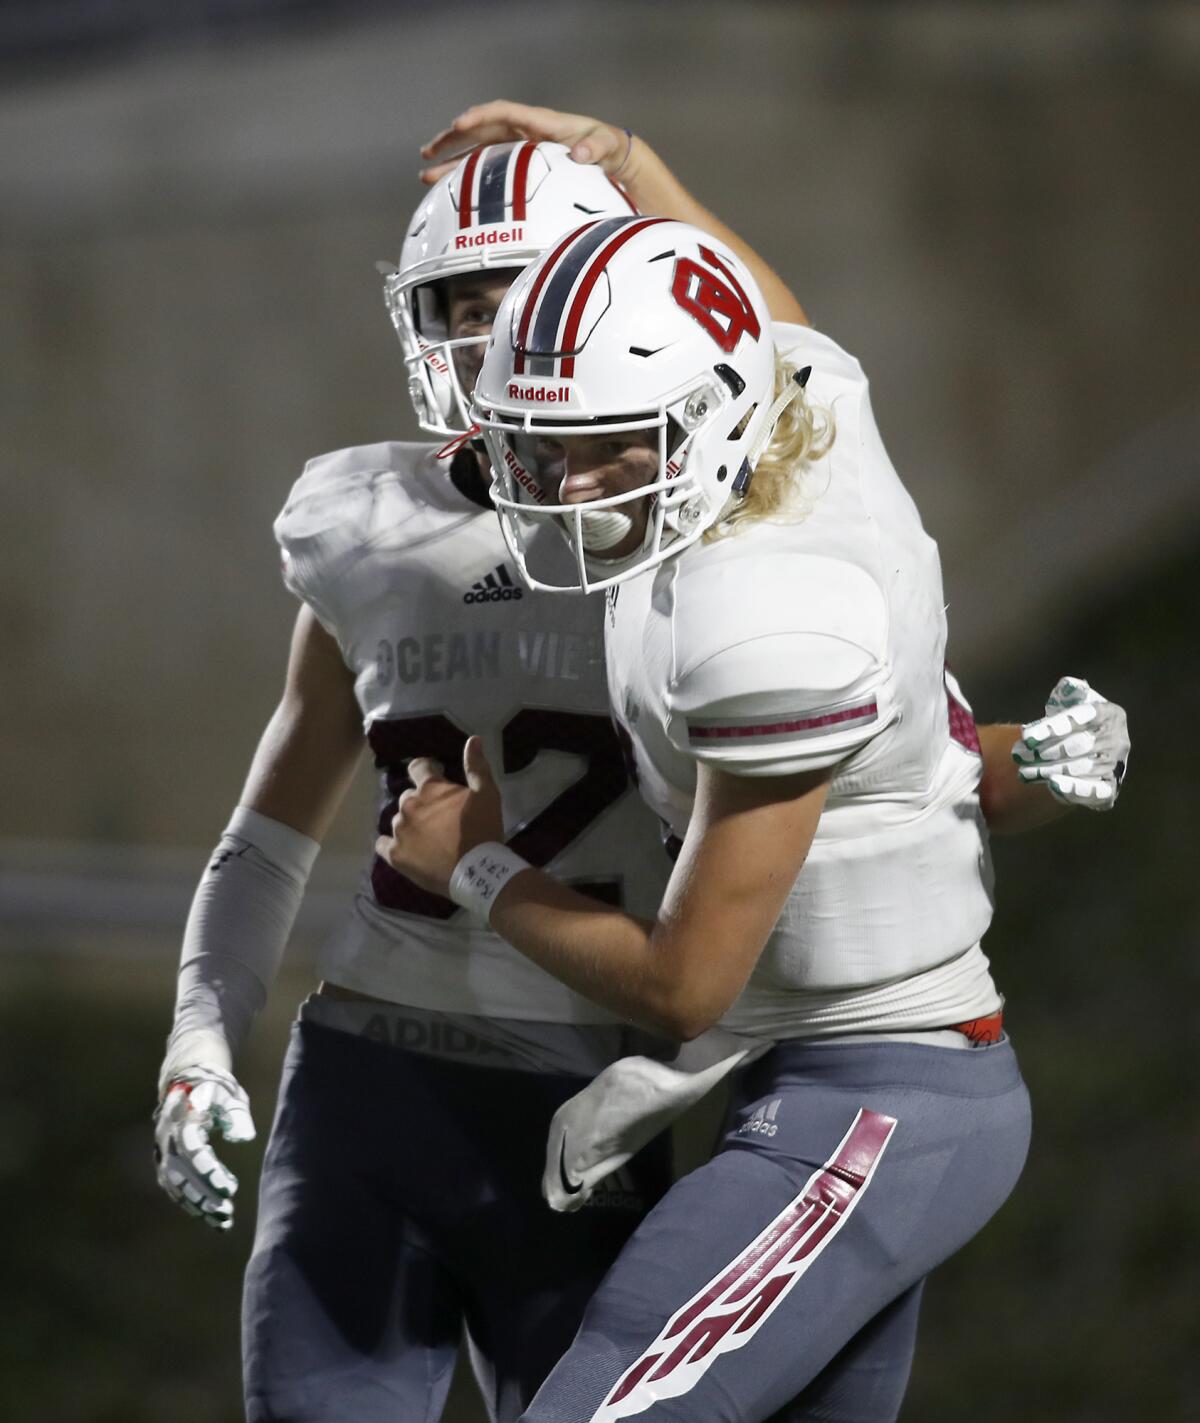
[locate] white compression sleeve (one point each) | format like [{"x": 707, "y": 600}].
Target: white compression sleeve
[{"x": 241, "y": 916}]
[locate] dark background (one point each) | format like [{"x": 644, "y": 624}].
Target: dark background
[{"x": 995, "y": 207}]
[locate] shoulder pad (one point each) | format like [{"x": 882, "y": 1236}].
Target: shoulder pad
[
  {"x": 330, "y": 514},
  {"x": 779, "y": 672},
  {"x": 334, "y": 489}
]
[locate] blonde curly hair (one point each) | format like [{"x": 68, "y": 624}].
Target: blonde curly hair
[{"x": 804, "y": 433}]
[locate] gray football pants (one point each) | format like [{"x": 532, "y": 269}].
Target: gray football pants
[
  {"x": 400, "y": 1201},
  {"x": 781, "y": 1281}
]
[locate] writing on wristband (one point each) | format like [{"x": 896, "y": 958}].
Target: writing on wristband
[{"x": 481, "y": 874}]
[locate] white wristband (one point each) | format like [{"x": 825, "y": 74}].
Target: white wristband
[{"x": 481, "y": 874}]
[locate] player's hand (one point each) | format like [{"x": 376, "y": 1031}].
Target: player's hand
[
  {"x": 590, "y": 140},
  {"x": 198, "y": 1099},
  {"x": 437, "y": 821},
  {"x": 1080, "y": 748}
]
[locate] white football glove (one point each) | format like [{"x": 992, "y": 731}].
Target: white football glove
[
  {"x": 1080, "y": 748},
  {"x": 198, "y": 1099}
]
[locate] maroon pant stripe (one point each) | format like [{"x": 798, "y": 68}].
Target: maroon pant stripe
[{"x": 764, "y": 1271}]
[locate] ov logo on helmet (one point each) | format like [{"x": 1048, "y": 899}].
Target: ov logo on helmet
[{"x": 716, "y": 299}]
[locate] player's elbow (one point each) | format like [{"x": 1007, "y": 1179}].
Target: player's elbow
[
  {"x": 993, "y": 805},
  {"x": 683, "y": 1011},
  {"x": 687, "y": 989},
  {"x": 694, "y": 1025}
]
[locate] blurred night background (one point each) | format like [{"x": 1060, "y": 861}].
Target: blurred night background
[{"x": 995, "y": 206}]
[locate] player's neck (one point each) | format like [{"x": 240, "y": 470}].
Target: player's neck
[{"x": 469, "y": 475}]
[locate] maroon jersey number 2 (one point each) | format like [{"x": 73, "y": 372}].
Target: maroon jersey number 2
[{"x": 526, "y": 734}]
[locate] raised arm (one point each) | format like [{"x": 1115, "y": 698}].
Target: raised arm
[{"x": 624, "y": 156}]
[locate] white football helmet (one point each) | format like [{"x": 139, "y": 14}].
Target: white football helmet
[
  {"x": 627, "y": 324},
  {"x": 500, "y": 208}
]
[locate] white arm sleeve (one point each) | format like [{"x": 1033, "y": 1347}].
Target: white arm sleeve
[{"x": 241, "y": 916}]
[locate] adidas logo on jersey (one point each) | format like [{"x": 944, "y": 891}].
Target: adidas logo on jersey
[
  {"x": 618, "y": 1192},
  {"x": 496, "y": 587},
  {"x": 762, "y": 1123}
]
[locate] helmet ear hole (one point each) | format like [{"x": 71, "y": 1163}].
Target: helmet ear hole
[
  {"x": 740, "y": 428},
  {"x": 731, "y": 378}
]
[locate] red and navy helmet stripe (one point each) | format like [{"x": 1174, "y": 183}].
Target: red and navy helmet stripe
[
  {"x": 493, "y": 179},
  {"x": 570, "y": 334},
  {"x": 466, "y": 191},
  {"x": 531, "y": 300},
  {"x": 547, "y": 324},
  {"x": 564, "y": 284},
  {"x": 487, "y": 194},
  {"x": 520, "y": 191}
]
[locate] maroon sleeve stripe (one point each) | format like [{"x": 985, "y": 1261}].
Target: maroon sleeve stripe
[{"x": 787, "y": 726}]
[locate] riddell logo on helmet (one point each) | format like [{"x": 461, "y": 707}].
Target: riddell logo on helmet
[
  {"x": 676, "y": 463},
  {"x": 544, "y": 394},
  {"x": 521, "y": 475},
  {"x": 432, "y": 358},
  {"x": 490, "y": 238}
]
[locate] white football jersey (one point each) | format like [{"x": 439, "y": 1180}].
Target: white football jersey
[
  {"x": 819, "y": 642},
  {"x": 414, "y": 581}
]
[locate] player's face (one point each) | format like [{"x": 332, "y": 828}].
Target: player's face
[
  {"x": 589, "y": 467},
  {"x": 472, "y": 303}
]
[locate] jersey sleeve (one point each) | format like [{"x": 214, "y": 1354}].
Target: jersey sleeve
[
  {"x": 802, "y": 682},
  {"x": 327, "y": 518}
]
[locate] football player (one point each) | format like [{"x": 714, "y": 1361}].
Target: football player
[
  {"x": 399, "y": 1198},
  {"x": 775, "y": 651}
]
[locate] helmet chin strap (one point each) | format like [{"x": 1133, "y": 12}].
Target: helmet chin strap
[
  {"x": 741, "y": 484},
  {"x": 789, "y": 393}
]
